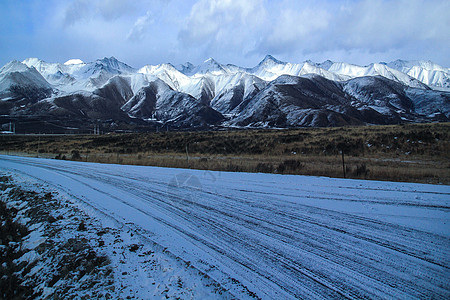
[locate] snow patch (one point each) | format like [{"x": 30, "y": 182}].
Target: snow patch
[{"x": 74, "y": 61}]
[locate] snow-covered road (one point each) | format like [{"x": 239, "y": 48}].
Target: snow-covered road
[{"x": 273, "y": 236}]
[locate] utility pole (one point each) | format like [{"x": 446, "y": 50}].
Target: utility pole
[
  {"x": 39, "y": 143},
  {"x": 187, "y": 154},
  {"x": 343, "y": 162}
]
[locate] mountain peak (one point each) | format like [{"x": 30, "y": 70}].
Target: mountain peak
[
  {"x": 32, "y": 61},
  {"x": 74, "y": 61},
  {"x": 168, "y": 66},
  {"x": 14, "y": 66},
  {"x": 325, "y": 64},
  {"x": 113, "y": 65},
  {"x": 109, "y": 59},
  {"x": 270, "y": 58},
  {"x": 150, "y": 69},
  {"x": 210, "y": 61},
  {"x": 185, "y": 68},
  {"x": 208, "y": 66}
]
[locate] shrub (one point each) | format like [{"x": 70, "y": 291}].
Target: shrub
[
  {"x": 76, "y": 155},
  {"x": 361, "y": 170},
  {"x": 289, "y": 165},
  {"x": 264, "y": 168}
]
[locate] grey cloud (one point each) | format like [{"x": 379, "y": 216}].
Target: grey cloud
[
  {"x": 140, "y": 27},
  {"x": 113, "y": 9},
  {"x": 77, "y": 10},
  {"x": 223, "y": 24},
  {"x": 368, "y": 26},
  {"x": 108, "y": 10},
  {"x": 240, "y": 32}
]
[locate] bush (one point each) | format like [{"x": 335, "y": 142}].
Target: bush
[
  {"x": 361, "y": 170},
  {"x": 76, "y": 155},
  {"x": 264, "y": 168},
  {"x": 289, "y": 165}
]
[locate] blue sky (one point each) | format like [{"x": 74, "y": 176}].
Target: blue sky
[{"x": 240, "y": 31}]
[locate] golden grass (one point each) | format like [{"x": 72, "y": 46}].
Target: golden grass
[{"x": 415, "y": 152}]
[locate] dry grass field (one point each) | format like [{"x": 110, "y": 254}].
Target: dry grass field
[{"x": 412, "y": 152}]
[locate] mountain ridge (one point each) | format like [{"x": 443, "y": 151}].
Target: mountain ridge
[{"x": 272, "y": 94}]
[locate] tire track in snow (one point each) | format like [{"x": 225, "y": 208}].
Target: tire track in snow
[
  {"x": 127, "y": 185},
  {"x": 269, "y": 230}
]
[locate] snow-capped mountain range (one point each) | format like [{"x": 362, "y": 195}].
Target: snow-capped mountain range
[{"x": 271, "y": 94}]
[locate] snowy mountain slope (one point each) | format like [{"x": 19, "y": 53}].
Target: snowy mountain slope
[
  {"x": 167, "y": 73},
  {"x": 426, "y": 71},
  {"x": 185, "y": 68},
  {"x": 138, "y": 81},
  {"x": 86, "y": 106},
  {"x": 270, "y": 68},
  {"x": 433, "y": 104},
  {"x": 101, "y": 104},
  {"x": 18, "y": 82},
  {"x": 59, "y": 75},
  {"x": 353, "y": 71},
  {"x": 297, "y": 101},
  {"x": 311, "y": 68},
  {"x": 384, "y": 96},
  {"x": 405, "y": 65},
  {"x": 397, "y": 101},
  {"x": 17, "y": 73},
  {"x": 324, "y": 65},
  {"x": 159, "y": 102},
  {"x": 413, "y": 74},
  {"x": 107, "y": 65},
  {"x": 94, "y": 75},
  {"x": 235, "y": 89},
  {"x": 117, "y": 89},
  {"x": 43, "y": 67},
  {"x": 199, "y": 86},
  {"x": 46, "y": 68},
  {"x": 208, "y": 66},
  {"x": 203, "y": 84},
  {"x": 271, "y": 94},
  {"x": 116, "y": 100},
  {"x": 409, "y": 73},
  {"x": 79, "y": 76}
]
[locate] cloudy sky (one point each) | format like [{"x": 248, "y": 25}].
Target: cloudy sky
[{"x": 231, "y": 31}]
